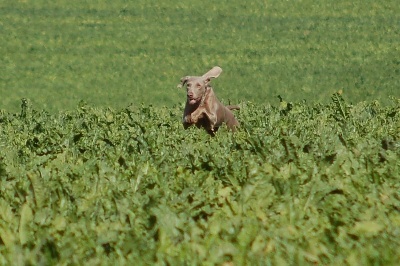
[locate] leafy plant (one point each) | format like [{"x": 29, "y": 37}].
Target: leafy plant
[{"x": 317, "y": 184}]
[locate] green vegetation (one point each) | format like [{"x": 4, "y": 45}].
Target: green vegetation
[
  {"x": 300, "y": 184},
  {"x": 96, "y": 169},
  {"x": 113, "y": 53}
]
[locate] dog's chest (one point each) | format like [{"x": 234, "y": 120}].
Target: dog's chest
[{"x": 203, "y": 122}]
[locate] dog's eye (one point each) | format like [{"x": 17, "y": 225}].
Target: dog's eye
[{"x": 198, "y": 85}]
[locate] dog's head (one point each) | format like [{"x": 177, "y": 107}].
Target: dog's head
[{"x": 197, "y": 86}]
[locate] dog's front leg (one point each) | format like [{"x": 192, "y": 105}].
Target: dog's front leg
[
  {"x": 187, "y": 119},
  {"x": 185, "y": 123},
  {"x": 196, "y": 115}
]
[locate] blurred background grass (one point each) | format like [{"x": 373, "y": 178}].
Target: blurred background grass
[{"x": 113, "y": 53}]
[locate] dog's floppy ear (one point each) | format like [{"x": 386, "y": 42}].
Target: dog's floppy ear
[
  {"x": 183, "y": 81},
  {"x": 213, "y": 73}
]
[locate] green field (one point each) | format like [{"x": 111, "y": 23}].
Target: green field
[
  {"x": 96, "y": 168},
  {"x": 113, "y": 53},
  {"x": 296, "y": 185}
]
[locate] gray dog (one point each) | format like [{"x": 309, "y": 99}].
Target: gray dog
[{"x": 203, "y": 109}]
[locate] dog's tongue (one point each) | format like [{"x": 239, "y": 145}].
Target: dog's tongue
[{"x": 192, "y": 101}]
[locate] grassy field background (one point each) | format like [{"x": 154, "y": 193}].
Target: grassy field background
[{"x": 113, "y": 53}]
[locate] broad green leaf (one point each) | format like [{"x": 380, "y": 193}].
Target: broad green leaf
[
  {"x": 25, "y": 224},
  {"x": 368, "y": 228}
]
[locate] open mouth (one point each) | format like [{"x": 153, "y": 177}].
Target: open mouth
[{"x": 193, "y": 100}]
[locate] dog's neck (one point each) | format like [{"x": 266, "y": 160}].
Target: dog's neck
[{"x": 208, "y": 88}]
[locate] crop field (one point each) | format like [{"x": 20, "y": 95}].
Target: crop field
[
  {"x": 96, "y": 168},
  {"x": 298, "y": 184}
]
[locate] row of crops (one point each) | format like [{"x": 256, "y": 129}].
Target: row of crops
[{"x": 299, "y": 183}]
